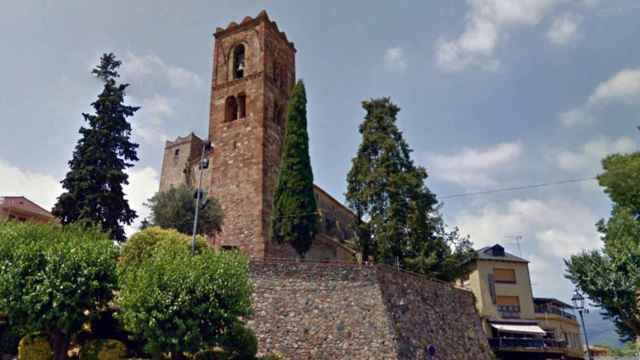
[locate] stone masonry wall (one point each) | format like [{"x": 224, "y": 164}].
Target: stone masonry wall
[
  {"x": 426, "y": 312},
  {"x": 336, "y": 311}
]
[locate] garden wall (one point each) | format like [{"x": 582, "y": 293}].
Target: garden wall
[{"x": 308, "y": 310}]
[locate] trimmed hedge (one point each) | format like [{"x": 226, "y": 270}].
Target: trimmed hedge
[
  {"x": 108, "y": 349},
  {"x": 35, "y": 347}
]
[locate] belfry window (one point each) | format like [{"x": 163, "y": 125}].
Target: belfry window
[
  {"x": 242, "y": 106},
  {"x": 238, "y": 62},
  {"x": 231, "y": 109}
]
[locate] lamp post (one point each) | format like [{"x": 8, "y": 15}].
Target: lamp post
[
  {"x": 578, "y": 304},
  {"x": 202, "y": 165}
]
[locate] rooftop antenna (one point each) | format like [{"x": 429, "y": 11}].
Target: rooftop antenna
[{"x": 517, "y": 239}]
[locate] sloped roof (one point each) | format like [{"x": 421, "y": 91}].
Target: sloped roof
[
  {"x": 487, "y": 253},
  {"x": 21, "y": 203}
]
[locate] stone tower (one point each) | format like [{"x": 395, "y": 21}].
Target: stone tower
[{"x": 253, "y": 76}]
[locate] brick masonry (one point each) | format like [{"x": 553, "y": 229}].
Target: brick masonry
[{"x": 308, "y": 310}]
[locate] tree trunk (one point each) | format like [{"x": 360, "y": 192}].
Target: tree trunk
[{"x": 60, "y": 344}]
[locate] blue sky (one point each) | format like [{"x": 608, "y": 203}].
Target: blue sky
[{"x": 494, "y": 94}]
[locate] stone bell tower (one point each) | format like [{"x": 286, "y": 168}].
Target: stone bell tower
[{"x": 253, "y": 76}]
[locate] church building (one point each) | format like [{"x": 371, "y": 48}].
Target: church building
[{"x": 252, "y": 79}]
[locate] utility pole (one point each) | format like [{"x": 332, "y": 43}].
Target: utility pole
[{"x": 202, "y": 165}]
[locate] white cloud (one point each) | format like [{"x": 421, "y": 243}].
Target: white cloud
[
  {"x": 150, "y": 120},
  {"x": 42, "y": 189},
  {"x": 474, "y": 167},
  {"x": 143, "y": 184},
  {"x": 563, "y": 29},
  {"x": 142, "y": 66},
  {"x": 558, "y": 227},
  {"x": 486, "y": 23},
  {"x": 623, "y": 87},
  {"x": 551, "y": 230},
  {"x": 587, "y": 158},
  {"x": 395, "y": 59}
]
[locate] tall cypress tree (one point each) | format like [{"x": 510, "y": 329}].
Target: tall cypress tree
[
  {"x": 94, "y": 183},
  {"x": 294, "y": 218},
  {"x": 387, "y": 189}
]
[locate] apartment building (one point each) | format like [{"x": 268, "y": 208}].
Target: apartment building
[{"x": 518, "y": 325}]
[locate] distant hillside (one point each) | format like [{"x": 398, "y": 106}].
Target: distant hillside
[{"x": 600, "y": 330}]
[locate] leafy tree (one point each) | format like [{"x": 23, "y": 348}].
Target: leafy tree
[
  {"x": 53, "y": 278},
  {"x": 294, "y": 218},
  {"x": 611, "y": 276},
  {"x": 181, "y": 302},
  {"x": 175, "y": 208},
  {"x": 387, "y": 189},
  {"x": 94, "y": 183},
  {"x": 143, "y": 244}
]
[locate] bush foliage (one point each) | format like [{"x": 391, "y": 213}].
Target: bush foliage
[
  {"x": 144, "y": 243},
  {"x": 181, "y": 302},
  {"x": 107, "y": 349},
  {"x": 35, "y": 347},
  {"x": 52, "y": 278}
]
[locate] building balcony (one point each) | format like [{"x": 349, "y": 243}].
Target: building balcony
[
  {"x": 546, "y": 309},
  {"x": 504, "y": 343}
]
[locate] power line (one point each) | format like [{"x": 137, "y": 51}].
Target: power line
[
  {"x": 517, "y": 188},
  {"x": 476, "y": 193}
]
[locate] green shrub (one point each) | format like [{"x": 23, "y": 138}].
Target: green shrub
[
  {"x": 181, "y": 302},
  {"x": 241, "y": 342},
  {"x": 143, "y": 244},
  {"x": 212, "y": 354},
  {"x": 103, "y": 350},
  {"x": 35, "y": 347},
  {"x": 52, "y": 278}
]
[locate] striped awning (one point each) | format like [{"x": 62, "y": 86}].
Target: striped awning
[{"x": 519, "y": 329}]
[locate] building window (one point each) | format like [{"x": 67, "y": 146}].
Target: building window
[
  {"x": 231, "y": 109},
  {"x": 242, "y": 106},
  {"x": 238, "y": 62},
  {"x": 508, "y": 306},
  {"x": 176, "y": 152},
  {"x": 505, "y": 276}
]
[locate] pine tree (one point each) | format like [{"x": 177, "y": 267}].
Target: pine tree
[
  {"x": 294, "y": 219},
  {"x": 387, "y": 189},
  {"x": 94, "y": 183}
]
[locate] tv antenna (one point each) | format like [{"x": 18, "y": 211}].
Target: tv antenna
[{"x": 516, "y": 239}]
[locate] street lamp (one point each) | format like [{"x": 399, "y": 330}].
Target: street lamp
[
  {"x": 578, "y": 304},
  {"x": 202, "y": 165}
]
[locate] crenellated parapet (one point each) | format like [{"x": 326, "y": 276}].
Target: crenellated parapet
[{"x": 248, "y": 22}]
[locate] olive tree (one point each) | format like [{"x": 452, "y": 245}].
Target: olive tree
[{"x": 53, "y": 278}]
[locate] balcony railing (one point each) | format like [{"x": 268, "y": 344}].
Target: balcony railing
[
  {"x": 510, "y": 343},
  {"x": 545, "y": 309},
  {"x": 509, "y": 311}
]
